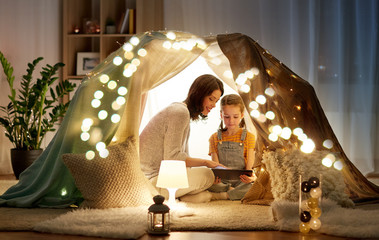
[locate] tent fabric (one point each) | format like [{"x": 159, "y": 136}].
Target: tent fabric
[{"x": 148, "y": 60}]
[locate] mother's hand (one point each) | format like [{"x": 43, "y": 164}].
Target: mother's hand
[{"x": 213, "y": 164}]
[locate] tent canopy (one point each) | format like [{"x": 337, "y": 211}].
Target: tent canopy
[{"x": 107, "y": 108}]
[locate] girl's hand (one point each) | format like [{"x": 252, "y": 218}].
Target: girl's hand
[
  {"x": 217, "y": 180},
  {"x": 247, "y": 179}
]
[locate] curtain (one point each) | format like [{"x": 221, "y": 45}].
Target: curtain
[
  {"x": 29, "y": 29},
  {"x": 333, "y": 44}
]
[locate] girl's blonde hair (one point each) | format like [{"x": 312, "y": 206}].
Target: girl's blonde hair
[{"x": 235, "y": 100}]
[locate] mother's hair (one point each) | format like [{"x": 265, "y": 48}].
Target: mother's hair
[{"x": 202, "y": 87}]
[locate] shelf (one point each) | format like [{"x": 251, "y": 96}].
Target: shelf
[{"x": 97, "y": 14}]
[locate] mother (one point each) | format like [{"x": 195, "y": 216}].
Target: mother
[{"x": 166, "y": 138}]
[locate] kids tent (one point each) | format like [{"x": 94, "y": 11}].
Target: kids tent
[{"x": 107, "y": 109}]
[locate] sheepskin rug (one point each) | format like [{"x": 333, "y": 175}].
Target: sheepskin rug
[
  {"x": 285, "y": 167},
  {"x": 335, "y": 220}
]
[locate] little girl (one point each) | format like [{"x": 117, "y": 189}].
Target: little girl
[{"x": 232, "y": 146}]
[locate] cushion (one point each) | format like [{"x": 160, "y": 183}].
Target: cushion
[
  {"x": 285, "y": 167},
  {"x": 111, "y": 182},
  {"x": 260, "y": 191}
]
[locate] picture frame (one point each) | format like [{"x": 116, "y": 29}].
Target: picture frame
[{"x": 86, "y": 61}]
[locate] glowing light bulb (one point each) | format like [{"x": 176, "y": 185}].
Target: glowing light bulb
[
  {"x": 115, "y": 118},
  {"x": 328, "y": 144},
  {"x": 260, "y": 99},
  {"x": 270, "y": 92},
  {"x": 253, "y": 105},
  {"x": 134, "y": 40},
  {"x": 112, "y": 85},
  {"x": 167, "y": 44},
  {"x": 241, "y": 79},
  {"x": 270, "y": 115},
  {"x": 98, "y": 94},
  {"x": 303, "y": 137},
  {"x": 338, "y": 165},
  {"x": 100, "y": 146},
  {"x": 129, "y": 55},
  {"x": 85, "y": 136},
  {"x": 255, "y": 71},
  {"x": 245, "y": 88},
  {"x": 127, "y": 47},
  {"x": 63, "y": 192},
  {"x": 90, "y": 155},
  {"x": 286, "y": 133},
  {"x": 115, "y": 106},
  {"x": 95, "y": 103},
  {"x": 249, "y": 74},
  {"x": 142, "y": 52},
  {"x": 104, "y": 78},
  {"x": 122, "y": 91},
  {"x": 104, "y": 153},
  {"x": 136, "y": 62},
  {"x": 117, "y": 61},
  {"x": 327, "y": 162},
  {"x": 87, "y": 121},
  {"x": 171, "y": 35},
  {"x": 120, "y": 100},
  {"x": 127, "y": 73},
  {"x": 273, "y": 137},
  {"x": 298, "y": 131},
  {"x": 308, "y": 146},
  {"x": 277, "y": 130},
  {"x": 255, "y": 113},
  {"x": 102, "y": 114}
]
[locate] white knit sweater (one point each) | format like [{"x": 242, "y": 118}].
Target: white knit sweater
[{"x": 165, "y": 138}]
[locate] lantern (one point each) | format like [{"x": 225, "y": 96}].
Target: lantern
[{"x": 158, "y": 218}]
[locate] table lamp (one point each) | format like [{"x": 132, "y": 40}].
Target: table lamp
[{"x": 172, "y": 175}]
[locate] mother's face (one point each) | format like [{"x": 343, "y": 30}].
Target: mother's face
[{"x": 210, "y": 101}]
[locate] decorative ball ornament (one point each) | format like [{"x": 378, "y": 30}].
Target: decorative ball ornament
[
  {"x": 315, "y": 192},
  {"x": 312, "y": 202},
  {"x": 305, "y": 216},
  {"x": 304, "y": 227},
  {"x": 315, "y": 224},
  {"x": 305, "y": 187},
  {"x": 309, "y": 196},
  {"x": 314, "y": 182},
  {"x": 315, "y": 212}
]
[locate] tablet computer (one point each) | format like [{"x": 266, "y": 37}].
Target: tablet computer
[{"x": 231, "y": 174}]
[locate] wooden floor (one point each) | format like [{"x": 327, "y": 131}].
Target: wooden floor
[{"x": 220, "y": 235}]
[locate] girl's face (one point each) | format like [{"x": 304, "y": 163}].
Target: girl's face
[
  {"x": 231, "y": 115},
  {"x": 210, "y": 101}
]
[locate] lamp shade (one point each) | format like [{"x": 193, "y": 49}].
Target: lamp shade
[{"x": 172, "y": 174}]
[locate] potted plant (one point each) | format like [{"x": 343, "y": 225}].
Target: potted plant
[{"x": 33, "y": 110}]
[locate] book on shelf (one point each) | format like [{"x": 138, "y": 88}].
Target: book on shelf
[
  {"x": 132, "y": 21},
  {"x": 124, "y": 27}
]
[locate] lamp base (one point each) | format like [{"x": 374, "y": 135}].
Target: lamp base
[{"x": 171, "y": 195}]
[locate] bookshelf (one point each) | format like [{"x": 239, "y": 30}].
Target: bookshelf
[{"x": 90, "y": 18}]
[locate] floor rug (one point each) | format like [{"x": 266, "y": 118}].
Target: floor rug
[{"x": 212, "y": 216}]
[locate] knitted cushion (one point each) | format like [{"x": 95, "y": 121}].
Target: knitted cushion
[
  {"x": 285, "y": 168},
  {"x": 115, "y": 181},
  {"x": 260, "y": 191}
]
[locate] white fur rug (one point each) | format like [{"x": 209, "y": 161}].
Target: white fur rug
[
  {"x": 132, "y": 222},
  {"x": 213, "y": 216},
  {"x": 335, "y": 220}
]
